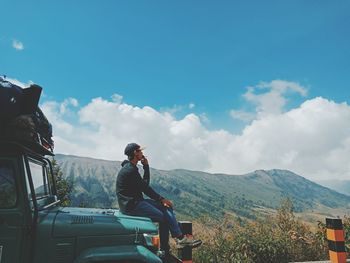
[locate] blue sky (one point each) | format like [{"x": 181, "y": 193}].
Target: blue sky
[{"x": 168, "y": 55}]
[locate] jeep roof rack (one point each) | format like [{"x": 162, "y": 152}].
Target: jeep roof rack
[{"x": 24, "y": 146}]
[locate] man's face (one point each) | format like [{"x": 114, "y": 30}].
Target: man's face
[{"x": 138, "y": 154}]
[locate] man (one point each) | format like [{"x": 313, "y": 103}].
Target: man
[{"x": 130, "y": 189}]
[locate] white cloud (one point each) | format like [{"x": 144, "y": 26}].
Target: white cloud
[
  {"x": 18, "y": 45},
  {"x": 242, "y": 115},
  {"x": 268, "y": 98},
  {"x": 204, "y": 118},
  {"x": 312, "y": 139},
  {"x": 117, "y": 98},
  {"x": 305, "y": 140},
  {"x": 174, "y": 109},
  {"x": 64, "y": 106},
  {"x": 55, "y": 112}
]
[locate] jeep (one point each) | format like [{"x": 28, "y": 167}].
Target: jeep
[{"x": 35, "y": 228}]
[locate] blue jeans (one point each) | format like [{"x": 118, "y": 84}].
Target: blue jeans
[{"x": 163, "y": 215}]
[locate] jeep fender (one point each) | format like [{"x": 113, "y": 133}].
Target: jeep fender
[{"x": 132, "y": 252}]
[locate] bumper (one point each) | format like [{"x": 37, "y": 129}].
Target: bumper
[{"x": 117, "y": 253}]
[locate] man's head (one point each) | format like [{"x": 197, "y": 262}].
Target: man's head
[{"x": 132, "y": 150}]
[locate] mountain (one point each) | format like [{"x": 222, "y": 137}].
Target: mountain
[
  {"x": 341, "y": 186},
  {"x": 198, "y": 193}
]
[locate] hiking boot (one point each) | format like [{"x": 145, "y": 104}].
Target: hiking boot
[{"x": 188, "y": 241}]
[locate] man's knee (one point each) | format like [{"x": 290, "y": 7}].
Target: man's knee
[
  {"x": 159, "y": 217},
  {"x": 153, "y": 213}
]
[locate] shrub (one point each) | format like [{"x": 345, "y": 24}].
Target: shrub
[{"x": 279, "y": 238}]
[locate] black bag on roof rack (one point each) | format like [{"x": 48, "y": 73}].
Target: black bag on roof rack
[
  {"x": 21, "y": 127},
  {"x": 20, "y": 117},
  {"x": 15, "y": 101},
  {"x": 31, "y": 127},
  {"x": 31, "y": 96},
  {"x": 10, "y": 101}
]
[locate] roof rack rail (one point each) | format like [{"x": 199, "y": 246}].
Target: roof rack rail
[{"x": 26, "y": 146}]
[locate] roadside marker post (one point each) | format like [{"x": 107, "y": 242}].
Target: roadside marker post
[
  {"x": 336, "y": 241},
  {"x": 185, "y": 254}
]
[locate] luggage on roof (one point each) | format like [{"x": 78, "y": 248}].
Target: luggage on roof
[
  {"x": 10, "y": 101},
  {"x": 21, "y": 119}
]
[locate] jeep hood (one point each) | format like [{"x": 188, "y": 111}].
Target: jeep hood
[{"x": 72, "y": 221}]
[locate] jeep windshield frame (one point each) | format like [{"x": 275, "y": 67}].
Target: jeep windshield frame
[
  {"x": 37, "y": 154},
  {"x": 41, "y": 185}
]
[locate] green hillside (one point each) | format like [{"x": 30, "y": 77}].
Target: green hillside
[
  {"x": 197, "y": 193},
  {"x": 341, "y": 186}
]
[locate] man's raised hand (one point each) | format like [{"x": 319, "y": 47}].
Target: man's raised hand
[{"x": 167, "y": 203}]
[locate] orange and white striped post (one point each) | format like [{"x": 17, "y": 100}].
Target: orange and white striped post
[
  {"x": 185, "y": 254},
  {"x": 336, "y": 241}
]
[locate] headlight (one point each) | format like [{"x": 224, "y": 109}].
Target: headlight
[{"x": 152, "y": 240}]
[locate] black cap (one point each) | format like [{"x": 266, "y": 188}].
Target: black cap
[{"x": 130, "y": 148}]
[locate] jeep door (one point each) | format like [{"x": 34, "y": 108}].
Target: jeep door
[{"x": 13, "y": 227}]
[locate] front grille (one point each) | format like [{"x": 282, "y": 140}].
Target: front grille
[{"x": 64, "y": 252}]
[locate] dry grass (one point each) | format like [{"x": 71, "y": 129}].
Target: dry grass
[{"x": 280, "y": 237}]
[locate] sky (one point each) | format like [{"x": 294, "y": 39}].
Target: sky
[{"x": 216, "y": 86}]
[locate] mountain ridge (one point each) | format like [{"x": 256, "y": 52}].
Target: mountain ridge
[
  {"x": 341, "y": 186},
  {"x": 198, "y": 193}
]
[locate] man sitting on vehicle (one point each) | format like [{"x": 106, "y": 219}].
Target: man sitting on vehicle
[{"x": 130, "y": 189}]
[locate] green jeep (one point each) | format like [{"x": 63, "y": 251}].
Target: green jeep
[{"x": 34, "y": 228}]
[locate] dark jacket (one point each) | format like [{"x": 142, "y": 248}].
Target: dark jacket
[{"x": 130, "y": 186}]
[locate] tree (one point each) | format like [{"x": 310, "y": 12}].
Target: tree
[
  {"x": 64, "y": 187},
  {"x": 285, "y": 216}
]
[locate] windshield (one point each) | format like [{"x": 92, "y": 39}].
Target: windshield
[{"x": 41, "y": 183}]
